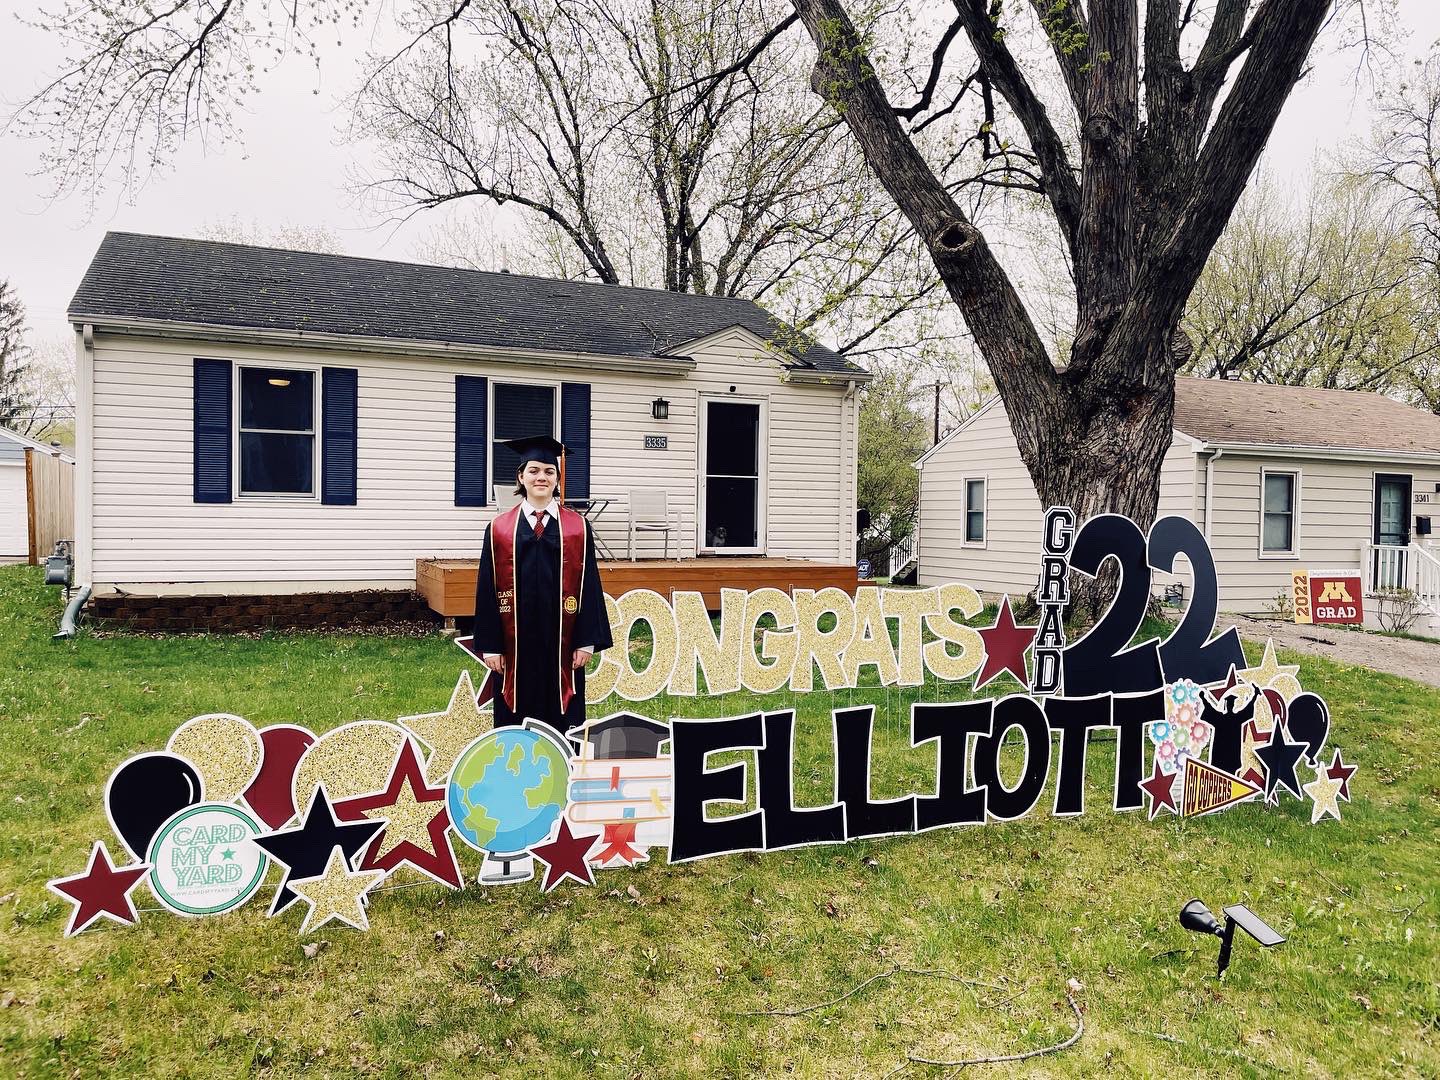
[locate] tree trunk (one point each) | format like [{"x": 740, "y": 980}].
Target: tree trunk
[{"x": 1098, "y": 455}]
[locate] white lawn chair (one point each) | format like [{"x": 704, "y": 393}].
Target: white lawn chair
[
  {"x": 649, "y": 512},
  {"x": 504, "y": 496}
]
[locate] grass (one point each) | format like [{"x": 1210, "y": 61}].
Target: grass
[{"x": 657, "y": 981}]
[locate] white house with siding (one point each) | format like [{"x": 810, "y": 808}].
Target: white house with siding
[
  {"x": 1277, "y": 477},
  {"x": 252, "y": 420}
]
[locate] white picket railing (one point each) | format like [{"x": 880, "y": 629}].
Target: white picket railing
[
  {"x": 1409, "y": 566},
  {"x": 901, "y": 553}
]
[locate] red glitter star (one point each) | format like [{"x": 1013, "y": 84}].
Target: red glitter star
[
  {"x": 1161, "y": 789},
  {"x": 1005, "y": 645},
  {"x": 565, "y": 856},
  {"x": 101, "y": 891},
  {"x": 384, "y": 852},
  {"x": 1338, "y": 770}
]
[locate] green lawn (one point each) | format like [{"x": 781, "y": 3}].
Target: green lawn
[{"x": 655, "y": 980}]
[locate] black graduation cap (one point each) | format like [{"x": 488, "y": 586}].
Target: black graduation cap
[
  {"x": 623, "y": 735},
  {"x": 541, "y": 448}
]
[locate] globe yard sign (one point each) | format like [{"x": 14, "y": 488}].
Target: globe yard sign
[{"x": 1195, "y": 731}]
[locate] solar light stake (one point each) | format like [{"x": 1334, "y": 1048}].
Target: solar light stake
[{"x": 1197, "y": 917}]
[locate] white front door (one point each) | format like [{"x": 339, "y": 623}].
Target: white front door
[{"x": 732, "y": 465}]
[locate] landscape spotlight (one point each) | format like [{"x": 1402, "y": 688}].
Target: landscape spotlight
[{"x": 1199, "y": 918}]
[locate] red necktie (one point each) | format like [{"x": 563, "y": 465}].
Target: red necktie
[{"x": 540, "y": 517}]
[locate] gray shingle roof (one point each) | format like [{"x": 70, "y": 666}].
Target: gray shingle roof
[
  {"x": 1224, "y": 412},
  {"x": 134, "y": 276}
]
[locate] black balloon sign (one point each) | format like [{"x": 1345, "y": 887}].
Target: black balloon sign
[
  {"x": 145, "y": 792},
  {"x": 1309, "y": 722}
]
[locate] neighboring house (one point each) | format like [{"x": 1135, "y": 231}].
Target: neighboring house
[
  {"x": 259, "y": 421},
  {"x": 1277, "y": 477},
  {"x": 36, "y": 507}
]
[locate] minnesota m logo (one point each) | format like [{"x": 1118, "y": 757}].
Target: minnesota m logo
[{"x": 1336, "y": 591}]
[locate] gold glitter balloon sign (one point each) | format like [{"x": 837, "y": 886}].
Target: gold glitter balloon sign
[{"x": 225, "y": 749}]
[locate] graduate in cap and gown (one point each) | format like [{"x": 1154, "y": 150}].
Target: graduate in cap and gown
[{"x": 539, "y": 605}]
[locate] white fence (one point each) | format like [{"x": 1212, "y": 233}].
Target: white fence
[{"x": 1395, "y": 566}]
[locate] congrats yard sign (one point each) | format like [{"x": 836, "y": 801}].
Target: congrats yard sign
[{"x": 317, "y": 821}]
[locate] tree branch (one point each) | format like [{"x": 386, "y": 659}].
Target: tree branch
[
  {"x": 1281, "y": 35},
  {"x": 980, "y": 287},
  {"x": 999, "y": 66},
  {"x": 1068, "y": 31},
  {"x": 937, "y": 63}
]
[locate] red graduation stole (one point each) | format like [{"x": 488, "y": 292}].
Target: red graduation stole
[{"x": 503, "y": 531}]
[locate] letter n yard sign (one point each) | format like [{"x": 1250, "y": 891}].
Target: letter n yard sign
[{"x": 1328, "y": 598}]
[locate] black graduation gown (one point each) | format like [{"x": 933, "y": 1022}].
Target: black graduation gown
[{"x": 537, "y": 622}]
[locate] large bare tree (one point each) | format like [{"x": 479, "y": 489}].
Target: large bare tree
[
  {"x": 1404, "y": 160},
  {"x": 1319, "y": 290},
  {"x": 672, "y": 145},
  {"x": 1171, "y": 112},
  {"x": 1161, "y": 109}
]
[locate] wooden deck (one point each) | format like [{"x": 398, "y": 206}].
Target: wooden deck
[{"x": 448, "y": 585}]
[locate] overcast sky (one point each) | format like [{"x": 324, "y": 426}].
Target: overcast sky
[{"x": 295, "y": 165}]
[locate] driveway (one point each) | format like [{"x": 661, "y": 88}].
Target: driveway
[{"x": 1418, "y": 660}]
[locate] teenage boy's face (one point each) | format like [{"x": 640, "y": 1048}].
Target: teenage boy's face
[{"x": 539, "y": 480}]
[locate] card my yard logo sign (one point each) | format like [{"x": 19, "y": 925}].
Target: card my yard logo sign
[{"x": 1194, "y": 730}]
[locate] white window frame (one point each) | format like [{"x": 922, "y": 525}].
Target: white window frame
[
  {"x": 1293, "y": 552},
  {"x": 490, "y": 437},
  {"x": 313, "y": 495},
  {"x": 762, "y": 469},
  {"x": 984, "y": 541}
]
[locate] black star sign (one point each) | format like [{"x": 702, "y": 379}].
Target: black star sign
[
  {"x": 1280, "y": 756},
  {"x": 304, "y": 851}
]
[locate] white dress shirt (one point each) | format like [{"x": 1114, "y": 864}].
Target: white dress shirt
[{"x": 551, "y": 514}]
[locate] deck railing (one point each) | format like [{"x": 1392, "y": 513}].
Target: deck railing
[
  {"x": 900, "y": 553},
  {"x": 1408, "y": 566}
]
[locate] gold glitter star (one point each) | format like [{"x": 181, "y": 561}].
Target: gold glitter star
[
  {"x": 1268, "y": 668},
  {"x": 338, "y": 893},
  {"x": 1324, "y": 792},
  {"x": 449, "y": 732},
  {"x": 409, "y": 820},
  {"x": 1249, "y": 741}
]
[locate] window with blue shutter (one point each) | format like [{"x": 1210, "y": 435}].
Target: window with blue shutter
[
  {"x": 521, "y": 410},
  {"x": 212, "y": 431},
  {"x": 575, "y": 434},
  {"x": 472, "y": 478},
  {"x": 339, "y": 404}
]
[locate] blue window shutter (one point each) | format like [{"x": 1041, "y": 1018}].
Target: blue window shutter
[
  {"x": 212, "y": 431},
  {"x": 339, "y": 404},
  {"x": 472, "y": 480},
  {"x": 575, "y": 434}
]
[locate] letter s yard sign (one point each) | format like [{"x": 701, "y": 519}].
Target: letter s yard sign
[{"x": 1327, "y": 598}]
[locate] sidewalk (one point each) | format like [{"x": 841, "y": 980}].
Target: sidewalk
[{"x": 1418, "y": 660}]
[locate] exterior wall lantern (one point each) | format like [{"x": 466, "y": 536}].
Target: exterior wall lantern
[{"x": 660, "y": 409}]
